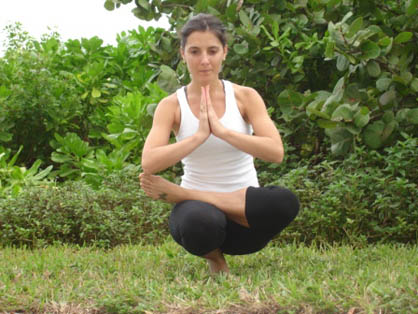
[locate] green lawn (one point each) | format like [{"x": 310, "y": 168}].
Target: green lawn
[{"x": 140, "y": 279}]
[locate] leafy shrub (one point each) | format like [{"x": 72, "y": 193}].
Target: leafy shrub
[
  {"x": 341, "y": 69},
  {"x": 130, "y": 119},
  {"x": 50, "y": 87},
  {"x": 75, "y": 213},
  {"x": 14, "y": 178},
  {"x": 368, "y": 197}
]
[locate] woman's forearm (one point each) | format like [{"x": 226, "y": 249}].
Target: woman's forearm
[
  {"x": 159, "y": 158},
  {"x": 261, "y": 147}
]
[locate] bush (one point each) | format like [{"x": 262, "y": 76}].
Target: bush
[
  {"x": 368, "y": 197},
  {"x": 74, "y": 213},
  {"x": 342, "y": 70},
  {"x": 50, "y": 87}
]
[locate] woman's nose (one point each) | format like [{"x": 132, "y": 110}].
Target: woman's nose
[{"x": 205, "y": 58}]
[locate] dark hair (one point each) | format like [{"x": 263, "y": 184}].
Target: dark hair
[{"x": 203, "y": 22}]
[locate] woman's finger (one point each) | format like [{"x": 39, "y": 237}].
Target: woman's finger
[
  {"x": 207, "y": 95},
  {"x": 203, "y": 100}
]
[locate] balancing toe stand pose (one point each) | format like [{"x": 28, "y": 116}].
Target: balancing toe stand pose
[{"x": 220, "y": 127}]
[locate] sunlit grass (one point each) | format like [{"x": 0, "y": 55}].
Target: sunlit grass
[{"x": 136, "y": 279}]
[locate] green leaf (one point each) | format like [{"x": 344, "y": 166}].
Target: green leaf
[
  {"x": 167, "y": 80},
  {"x": 383, "y": 84},
  {"x": 109, "y": 5},
  {"x": 151, "y": 109},
  {"x": 329, "y": 51},
  {"x": 373, "y": 68},
  {"x": 5, "y": 137},
  {"x": 34, "y": 169},
  {"x": 387, "y": 98},
  {"x": 14, "y": 158},
  {"x": 355, "y": 27},
  {"x": 144, "y": 3},
  {"x": 414, "y": 84},
  {"x": 42, "y": 174},
  {"x": 352, "y": 91},
  {"x": 327, "y": 124},
  {"x": 385, "y": 41},
  {"x": 95, "y": 93},
  {"x": 343, "y": 112},
  {"x": 244, "y": 19},
  {"x": 388, "y": 130},
  {"x": 403, "y": 37},
  {"x": 290, "y": 97},
  {"x": 412, "y": 8},
  {"x": 241, "y": 48},
  {"x": 342, "y": 63},
  {"x": 300, "y": 3},
  {"x": 388, "y": 117},
  {"x": 362, "y": 117},
  {"x": 335, "y": 34},
  {"x": 402, "y": 114},
  {"x": 412, "y": 116},
  {"x": 341, "y": 141},
  {"x": 60, "y": 158},
  {"x": 370, "y": 50},
  {"x": 372, "y": 135},
  {"x": 346, "y": 17},
  {"x": 65, "y": 172},
  {"x": 406, "y": 76},
  {"x": 337, "y": 95}
]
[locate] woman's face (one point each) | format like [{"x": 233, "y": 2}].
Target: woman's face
[{"x": 203, "y": 54}]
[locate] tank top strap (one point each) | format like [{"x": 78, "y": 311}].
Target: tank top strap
[
  {"x": 184, "y": 105},
  {"x": 230, "y": 101},
  {"x": 188, "y": 121},
  {"x": 231, "y": 109}
]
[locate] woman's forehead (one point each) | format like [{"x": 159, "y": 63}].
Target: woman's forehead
[{"x": 203, "y": 39}]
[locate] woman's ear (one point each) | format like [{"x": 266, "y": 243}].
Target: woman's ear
[
  {"x": 225, "y": 51},
  {"x": 182, "y": 53}
]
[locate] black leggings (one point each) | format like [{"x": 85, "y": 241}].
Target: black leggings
[{"x": 201, "y": 227}]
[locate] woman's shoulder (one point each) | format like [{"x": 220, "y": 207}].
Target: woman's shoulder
[
  {"x": 169, "y": 102},
  {"x": 244, "y": 93},
  {"x": 168, "y": 109}
]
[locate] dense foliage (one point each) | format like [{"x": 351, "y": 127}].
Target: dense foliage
[
  {"x": 338, "y": 78},
  {"x": 346, "y": 66},
  {"x": 79, "y": 106},
  {"x": 367, "y": 198},
  {"x": 74, "y": 213}
]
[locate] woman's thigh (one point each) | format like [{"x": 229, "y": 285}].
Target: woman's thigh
[{"x": 269, "y": 210}]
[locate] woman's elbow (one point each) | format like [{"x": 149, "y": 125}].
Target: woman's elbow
[
  {"x": 147, "y": 166},
  {"x": 278, "y": 156}
]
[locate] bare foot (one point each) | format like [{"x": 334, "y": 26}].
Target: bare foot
[
  {"x": 231, "y": 203},
  {"x": 159, "y": 188},
  {"x": 217, "y": 262}
]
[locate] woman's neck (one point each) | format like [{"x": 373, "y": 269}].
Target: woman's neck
[{"x": 215, "y": 87}]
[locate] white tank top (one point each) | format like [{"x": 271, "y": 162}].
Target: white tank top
[{"x": 216, "y": 165}]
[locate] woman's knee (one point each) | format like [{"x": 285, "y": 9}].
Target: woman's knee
[
  {"x": 271, "y": 207},
  {"x": 198, "y": 227},
  {"x": 289, "y": 201}
]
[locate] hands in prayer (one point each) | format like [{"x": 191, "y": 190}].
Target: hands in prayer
[{"x": 209, "y": 121}]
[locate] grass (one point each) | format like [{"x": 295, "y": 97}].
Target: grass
[{"x": 166, "y": 279}]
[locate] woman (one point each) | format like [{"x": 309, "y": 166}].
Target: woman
[{"x": 220, "y": 127}]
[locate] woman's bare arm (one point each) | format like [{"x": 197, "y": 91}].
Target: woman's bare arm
[
  {"x": 266, "y": 144},
  {"x": 158, "y": 154}
]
